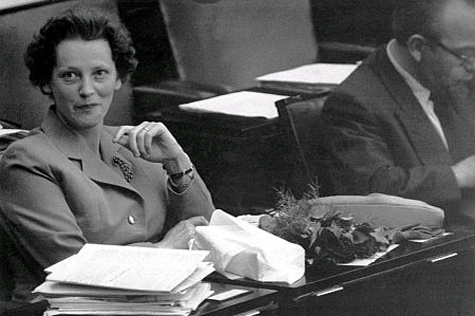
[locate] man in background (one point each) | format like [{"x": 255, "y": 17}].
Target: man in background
[{"x": 404, "y": 122}]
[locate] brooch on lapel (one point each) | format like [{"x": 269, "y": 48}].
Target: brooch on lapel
[{"x": 124, "y": 167}]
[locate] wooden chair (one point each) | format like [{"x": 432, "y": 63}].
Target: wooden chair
[
  {"x": 220, "y": 47},
  {"x": 229, "y": 43},
  {"x": 299, "y": 118},
  {"x": 6, "y": 279}
]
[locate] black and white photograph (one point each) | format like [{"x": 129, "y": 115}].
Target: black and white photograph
[{"x": 237, "y": 157}]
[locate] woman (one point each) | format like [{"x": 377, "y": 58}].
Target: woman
[{"x": 75, "y": 181}]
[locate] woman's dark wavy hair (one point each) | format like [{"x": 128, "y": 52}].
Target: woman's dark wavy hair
[{"x": 79, "y": 23}]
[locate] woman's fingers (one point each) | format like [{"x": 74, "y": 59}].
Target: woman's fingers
[
  {"x": 137, "y": 138},
  {"x": 181, "y": 235},
  {"x": 149, "y": 140},
  {"x": 123, "y": 131},
  {"x": 150, "y": 131},
  {"x": 142, "y": 137},
  {"x": 198, "y": 221}
]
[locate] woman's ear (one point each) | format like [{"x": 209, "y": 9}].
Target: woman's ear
[{"x": 416, "y": 44}]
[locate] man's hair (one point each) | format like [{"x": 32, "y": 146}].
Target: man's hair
[
  {"x": 79, "y": 23},
  {"x": 416, "y": 17}
]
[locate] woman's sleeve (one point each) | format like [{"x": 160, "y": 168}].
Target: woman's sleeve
[
  {"x": 194, "y": 201},
  {"x": 36, "y": 214}
]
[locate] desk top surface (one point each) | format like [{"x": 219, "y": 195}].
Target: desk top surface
[
  {"x": 223, "y": 124},
  {"x": 322, "y": 278}
]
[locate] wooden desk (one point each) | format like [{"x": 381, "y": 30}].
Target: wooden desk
[
  {"x": 241, "y": 159},
  {"x": 435, "y": 278},
  {"x": 259, "y": 301}
]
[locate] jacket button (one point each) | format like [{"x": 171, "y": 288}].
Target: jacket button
[{"x": 131, "y": 220}]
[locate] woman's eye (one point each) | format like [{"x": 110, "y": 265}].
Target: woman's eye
[
  {"x": 101, "y": 73},
  {"x": 69, "y": 76}
]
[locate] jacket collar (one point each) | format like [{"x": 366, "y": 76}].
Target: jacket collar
[
  {"x": 75, "y": 148},
  {"x": 409, "y": 112}
]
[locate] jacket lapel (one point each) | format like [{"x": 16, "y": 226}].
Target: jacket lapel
[
  {"x": 73, "y": 146},
  {"x": 421, "y": 133},
  {"x": 109, "y": 150}
]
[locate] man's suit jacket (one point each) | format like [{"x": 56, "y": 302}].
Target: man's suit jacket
[
  {"x": 56, "y": 195},
  {"x": 380, "y": 140}
]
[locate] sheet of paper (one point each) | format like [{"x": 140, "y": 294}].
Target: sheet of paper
[
  {"x": 52, "y": 288},
  {"x": 79, "y": 306},
  {"x": 5, "y": 4},
  {"x": 251, "y": 219},
  {"x": 203, "y": 270},
  {"x": 58, "y": 288},
  {"x": 61, "y": 265},
  {"x": 367, "y": 261},
  {"x": 430, "y": 239},
  {"x": 128, "y": 267},
  {"x": 188, "y": 300},
  {"x": 8, "y": 131},
  {"x": 243, "y": 103},
  {"x": 319, "y": 73},
  {"x": 229, "y": 294}
]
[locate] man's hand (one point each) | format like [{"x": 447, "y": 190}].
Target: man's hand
[{"x": 464, "y": 172}]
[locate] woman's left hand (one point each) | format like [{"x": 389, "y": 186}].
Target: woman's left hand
[
  {"x": 150, "y": 140},
  {"x": 181, "y": 234}
]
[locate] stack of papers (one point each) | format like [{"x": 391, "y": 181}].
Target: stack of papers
[
  {"x": 243, "y": 103},
  {"x": 309, "y": 78},
  {"x": 127, "y": 280}
]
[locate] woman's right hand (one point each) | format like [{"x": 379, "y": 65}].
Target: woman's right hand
[
  {"x": 180, "y": 235},
  {"x": 151, "y": 141}
]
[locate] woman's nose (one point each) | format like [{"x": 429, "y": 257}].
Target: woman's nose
[{"x": 86, "y": 89}]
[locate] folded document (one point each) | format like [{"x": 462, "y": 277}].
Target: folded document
[
  {"x": 313, "y": 74},
  {"x": 244, "y": 103}
]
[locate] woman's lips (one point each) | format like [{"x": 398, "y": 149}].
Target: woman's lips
[{"x": 86, "y": 106}]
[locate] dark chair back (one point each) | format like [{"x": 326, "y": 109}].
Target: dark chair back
[
  {"x": 300, "y": 120},
  {"x": 6, "y": 278},
  {"x": 231, "y": 42}
]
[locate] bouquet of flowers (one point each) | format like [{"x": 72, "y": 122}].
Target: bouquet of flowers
[{"x": 326, "y": 234}]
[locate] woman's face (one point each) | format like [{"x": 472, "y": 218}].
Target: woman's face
[{"x": 83, "y": 82}]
